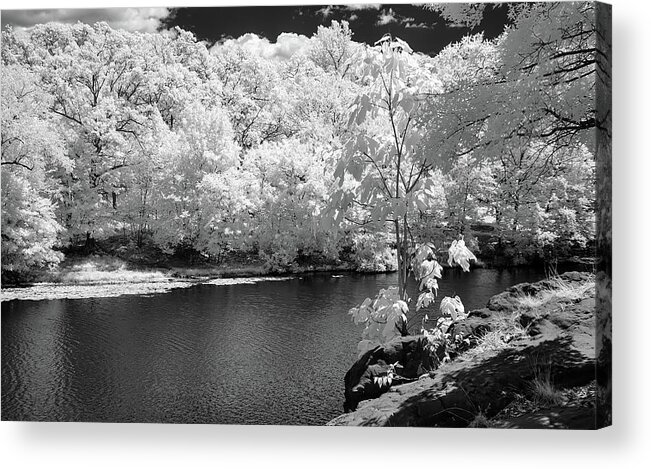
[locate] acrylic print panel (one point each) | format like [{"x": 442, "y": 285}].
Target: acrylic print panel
[{"x": 307, "y": 215}]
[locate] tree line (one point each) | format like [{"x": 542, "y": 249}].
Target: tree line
[{"x": 342, "y": 150}]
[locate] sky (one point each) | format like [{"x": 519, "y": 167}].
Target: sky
[
  {"x": 132, "y": 19},
  {"x": 280, "y": 29}
]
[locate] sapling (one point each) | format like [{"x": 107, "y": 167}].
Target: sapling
[{"x": 385, "y": 316}]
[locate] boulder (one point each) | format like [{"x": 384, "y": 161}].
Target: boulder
[
  {"x": 507, "y": 300},
  {"x": 477, "y": 323},
  {"x": 408, "y": 351}
]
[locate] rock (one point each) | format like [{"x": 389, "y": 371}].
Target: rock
[
  {"x": 460, "y": 389},
  {"x": 375, "y": 380},
  {"x": 560, "y": 342},
  {"x": 507, "y": 300},
  {"x": 478, "y": 323},
  {"x": 576, "y": 276},
  {"x": 408, "y": 351}
]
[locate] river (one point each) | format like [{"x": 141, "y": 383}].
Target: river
[{"x": 264, "y": 353}]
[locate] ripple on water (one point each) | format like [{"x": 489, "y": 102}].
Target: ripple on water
[{"x": 246, "y": 351}]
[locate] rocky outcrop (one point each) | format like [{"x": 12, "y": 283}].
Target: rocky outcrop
[
  {"x": 560, "y": 342},
  {"x": 361, "y": 381},
  {"x": 508, "y": 300}
]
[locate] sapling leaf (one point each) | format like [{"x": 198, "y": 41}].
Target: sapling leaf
[
  {"x": 458, "y": 253},
  {"x": 452, "y": 307}
]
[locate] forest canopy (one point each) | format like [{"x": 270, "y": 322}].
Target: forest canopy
[{"x": 157, "y": 139}]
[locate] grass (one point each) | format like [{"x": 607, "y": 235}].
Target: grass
[
  {"x": 543, "y": 391},
  {"x": 480, "y": 421},
  {"x": 107, "y": 271},
  {"x": 190, "y": 272},
  {"x": 509, "y": 327},
  {"x": 558, "y": 290},
  {"x": 506, "y": 329},
  {"x": 540, "y": 392}
]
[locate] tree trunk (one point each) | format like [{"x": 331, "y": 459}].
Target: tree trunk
[
  {"x": 405, "y": 258},
  {"x": 89, "y": 244},
  {"x": 604, "y": 215},
  {"x": 400, "y": 259}
]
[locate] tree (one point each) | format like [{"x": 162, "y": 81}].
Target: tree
[
  {"x": 293, "y": 183},
  {"x": 317, "y": 102},
  {"x": 114, "y": 92},
  {"x": 229, "y": 202},
  {"x": 253, "y": 93},
  {"x": 468, "y": 188},
  {"x": 201, "y": 145},
  {"x": 523, "y": 103},
  {"x": 31, "y": 155},
  {"x": 384, "y": 155},
  {"x": 537, "y": 87},
  {"x": 383, "y": 174},
  {"x": 333, "y": 50}
]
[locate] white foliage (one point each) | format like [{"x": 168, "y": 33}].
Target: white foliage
[
  {"x": 382, "y": 316},
  {"x": 437, "y": 333},
  {"x": 460, "y": 254},
  {"x": 452, "y": 307},
  {"x": 425, "y": 299},
  {"x": 427, "y": 270},
  {"x": 429, "y": 283}
]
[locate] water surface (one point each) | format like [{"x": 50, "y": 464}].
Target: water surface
[{"x": 264, "y": 353}]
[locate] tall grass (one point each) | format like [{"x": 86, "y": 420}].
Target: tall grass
[
  {"x": 107, "y": 271},
  {"x": 509, "y": 327},
  {"x": 543, "y": 391},
  {"x": 480, "y": 421},
  {"x": 505, "y": 329},
  {"x": 558, "y": 290}
]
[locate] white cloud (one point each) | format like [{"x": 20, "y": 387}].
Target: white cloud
[
  {"x": 326, "y": 11},
  {"x": 406, "y": 20},
  {"x": 386, "y": 17},
  {"x": 409, "y": 24},
  {"x": 364, "y": 6},
  {"x": 286, "y": 45},
  {"x": 131, "y": 19},
  {"x": 253, "y": 43}
]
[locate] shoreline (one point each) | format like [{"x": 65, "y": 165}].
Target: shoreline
[
  {"x": 167, "y": 279},
  {"x": 139, "y": 279},
  {"x": 58, "y": 291}
]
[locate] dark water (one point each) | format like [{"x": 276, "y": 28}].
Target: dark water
[{"x": 267, "y": 353}]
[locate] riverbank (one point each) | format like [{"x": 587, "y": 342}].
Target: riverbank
[
  {"x": 528, "y": 362},
  {"x": 115, "y": 260},
  {"x": 104, "y": 275},
  {"x": 57, "y": 291},
  {"x": 108, "y": 276}
]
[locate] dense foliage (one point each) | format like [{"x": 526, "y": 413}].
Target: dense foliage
[{"x": 337, "y": 152}]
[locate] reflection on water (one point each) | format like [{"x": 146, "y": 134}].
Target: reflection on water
[{"x": 262, "y": 353}]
